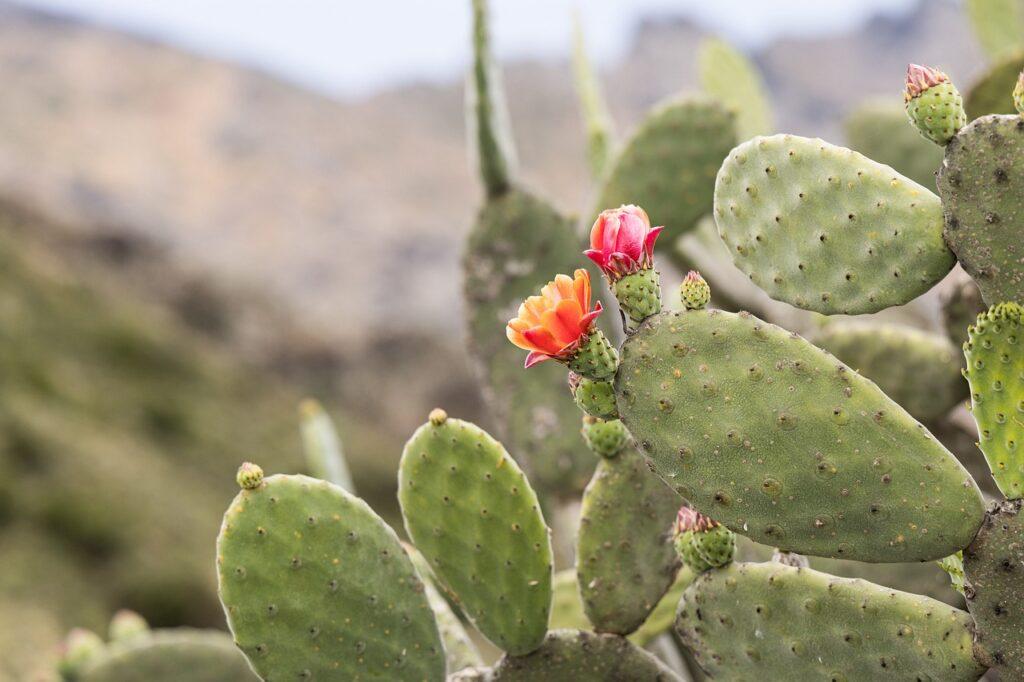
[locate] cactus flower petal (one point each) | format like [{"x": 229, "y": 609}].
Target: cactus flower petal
[{"x": 555, "y": 323}]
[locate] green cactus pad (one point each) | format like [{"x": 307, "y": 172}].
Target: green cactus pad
[
  {"x": 878, "y": 129},
  {"x": 625, "y": 561},
  {"x": 669, "y": 164},
  {"x": 769, "y": 621},
  {"x": 315, "y": 584},
  {"x": 781, "y": 442},
  {"x": 664, "y": 614},
  {"x": 981, "y": 183},
  {"x": 993, "y": 564},
  {"x": 596, "y": 398},
  {"x": 917, "y": 369},
  {"x": 167, "y": 655},
  {"x": 473, "y": 515},
  {"x": 995, "y": 371},
  {"x": 823, "y": 228},
  {"x": 517, "y": 244},
  {"x": 730, "y": 77},
  {"x": 577, "y": 655},
  {"x": 998, "y": 25},
  {"x": 992, "y": 93},
  {"x": 938, "y": 112}
]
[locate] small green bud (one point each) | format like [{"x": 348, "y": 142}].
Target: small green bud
[
  {"x": 249, "y": 476},
  {"x": 605, "y": 438},
  {"x": 694, "y": 291},
  {"x": 80, "y": 647},
  {"x": 438, "y": 416},
  {"x": 934, "y": 105},
  {"x": 596, "y": 398},
  {"x": 127, "y": 625},
  {"x": 701, "y": 542}
]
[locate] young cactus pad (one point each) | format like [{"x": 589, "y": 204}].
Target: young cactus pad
[
  {"x": 729, "y": 76},
  {"x": 995, "y": 595},
  {"x": 823, "y": 228},
  {"x": 316, "y": 586},
  {"x": 168, "y": 655},
  {"x": 669, "y": 164},
  {"x": 624, "y": 555},
  {"x": 781, "y": 442},
  {"x": 752, "y": 622},
  {"x": 995, "y": 370},
  {"x": 981, "y": 183},
  {"x": 473, "y": 515},
  {"x": 578, "y": 655},
  {"x": 917, "y": 369}
]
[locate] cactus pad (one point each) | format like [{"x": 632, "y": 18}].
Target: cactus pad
[
  {"x": 993, "y": 564},
  {"x": 473, "y": 515},
  {"x": 992, "y": 93},
  {"x": 578, "y": 655},
  {"x": 981, "y": 183},
  {"x": 781, "y": 442},
  {"x": 165, "y": 655},
  {"x": 669, "y": 164},
  {"x": 459, "y": 650},
  {"x": 823, "y": 228},
  {"x": 771, "y": 621},
  {"x": 998, "y": 25},
  {"x": 314, "y": 584},
  {"x": 995, "y": 370},
  {"x": 517, "y": 242},
  {"x": 624, "y": 557},
  {"x": 917, "y": 369},
  {"x": 730, "y": 77},
  {"x": 879, "y": 131}
]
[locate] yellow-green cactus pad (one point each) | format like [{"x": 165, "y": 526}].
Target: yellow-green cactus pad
[{"x": 826, "y": 229}]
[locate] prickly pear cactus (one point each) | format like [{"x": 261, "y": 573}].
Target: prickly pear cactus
[
  {"x": 771, "y": 621},
  {"x": 917, "y": 369},
  {"x": 878, "y": 129},
  {"x": 517, "y": 241},
  {"x": 995, "y": 370},
  {"x": 992, "y": 93},
  {"x": 595, "y": 398},
  {"x": 993, "y": 564},
  {"x": 316, "y": 586},
  {"x": 669, "y": 164},
  {"x": 168, "y": 655},
  {"x": 624, "y": 556},
  {"x": 781, "y": 442},
  {"x": 998, "y": 25},
  {"x": 473, "y": 515},
  {"x": 578, "y": 655},
  {"x": 981, "y": 182},
  {"x": 729, "y": 76},
  {"x": 826, "y": 229}
]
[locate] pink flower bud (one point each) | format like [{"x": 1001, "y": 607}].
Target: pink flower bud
[{"x": 622, "y": 242}]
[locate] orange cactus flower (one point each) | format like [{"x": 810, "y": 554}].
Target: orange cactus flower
[{"x": 554, "y": 324}]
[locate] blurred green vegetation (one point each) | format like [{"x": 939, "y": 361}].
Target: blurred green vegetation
[{"x": 120, "y": 432}]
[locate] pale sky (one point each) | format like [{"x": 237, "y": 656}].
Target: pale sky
[{"x": 357, "y": 47}]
